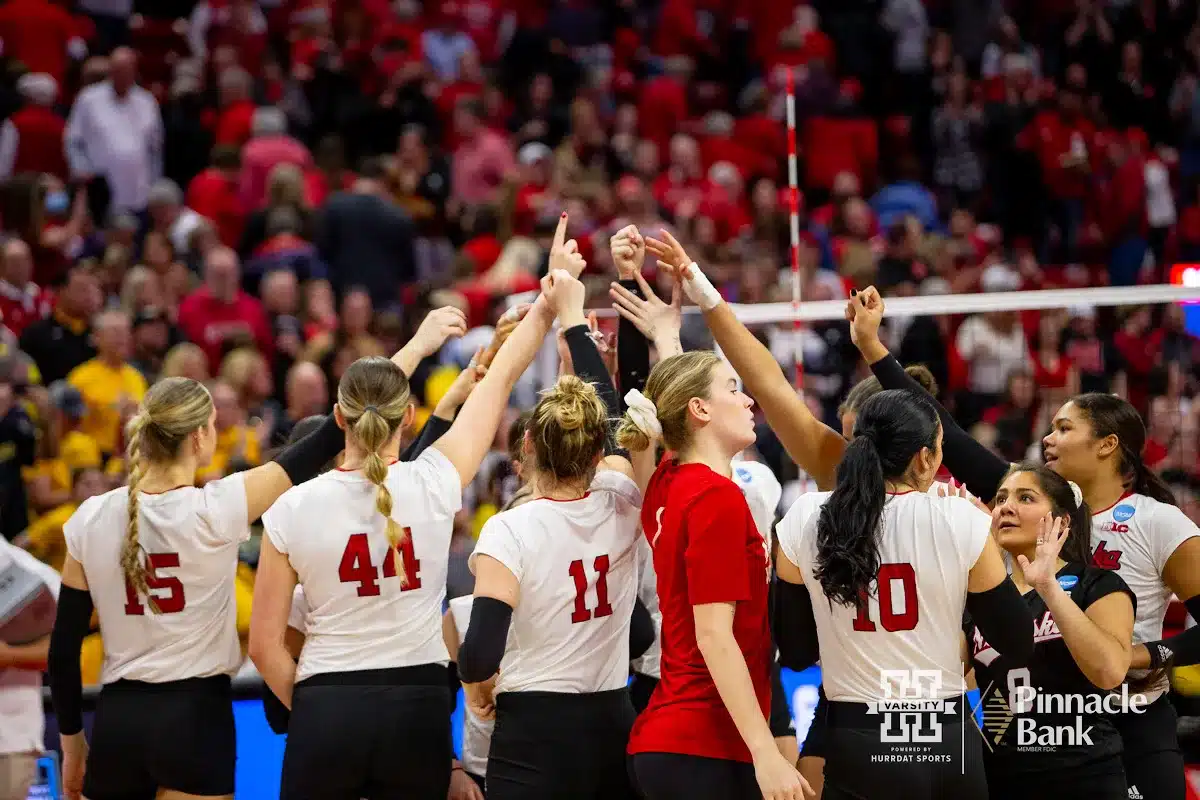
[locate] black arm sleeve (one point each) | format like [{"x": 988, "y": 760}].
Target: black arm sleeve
[
  {"x": 435, "y": 428},
  {"x": 794, "y": 626},
  {"x": 1183, "y": 648},
  {"x": 641, "y": 631},
  {"x": 969, "y": 461},
  {"x": 589, "y": 366},
  {"x": 1005, "y": 620},
  {"x": 487, "y": 634},
  {"x": 633, "y": 352},
  {"x": 304, "y": 459},
  {"x": 66, "y": 642}
]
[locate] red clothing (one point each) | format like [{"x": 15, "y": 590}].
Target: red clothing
[
  {"x": 839, "y": 144},
  {"x": 262, "y": 154},
  {"x": 1048, "y": 375},
  {"x": 1050, "y": 136},
  {"x": 208, "y": 322},
  {"x": 36, "y": 33},
  {"x": 233, "y": 123},
  {"x": 707, "y": 549},
  {"x": 662, "y": 107},
  {"x": 39, "y": 142},
  {"x": 214, "y": 195},
  {"x": 22, "y": 306}
]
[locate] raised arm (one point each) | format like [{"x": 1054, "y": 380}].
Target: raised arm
[
  {"x": 470, "y": 437},
  {"x": 814, "y": 446},
  {"x": 969, "y": 461}
]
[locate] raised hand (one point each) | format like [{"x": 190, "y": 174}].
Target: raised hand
[
  {"x": 658, "y": 321},
  {"x": 504, "y": 328},
  {"x": 565, "y": 294},
  {"x": 461, "y": 388},
  {"x": 670, "y": 255},
  {"x": 1041, "y": 572},
  {"x": 564, "y": 253},
  {"x": 864, "y": 311},
  {"x": 953, "y": 489},
  {"x": 628, "y": 249},
  {"x": 438, "y": 326}
]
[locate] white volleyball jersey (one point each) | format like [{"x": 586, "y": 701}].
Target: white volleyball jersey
[
  {"x": 298, "y": 613},
  {"x": 22, "y": 718},
  {"x": 190, "y": 536},
  {"x": 649, "y": 662},
  {"x": 477, "y": 733},
  {"x": 360, "y": 615},
  {"x": 577, "y": 563},
  {"x": 1135, "y": 537},
  {"x": 913, "y": 620}
]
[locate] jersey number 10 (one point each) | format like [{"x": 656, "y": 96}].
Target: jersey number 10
[
  {"x": 891, "y": 619},
  {"x": 356, "y": 566},
  {"x": 579, "y": 575}
]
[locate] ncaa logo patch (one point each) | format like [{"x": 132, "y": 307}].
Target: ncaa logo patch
[
  {"x": 1123, "y": 512},
  {"x": 743, "y": 475},
  {"x": 1067, "y": 582}
]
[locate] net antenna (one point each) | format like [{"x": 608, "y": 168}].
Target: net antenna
[{"x": 794, "y": 228}]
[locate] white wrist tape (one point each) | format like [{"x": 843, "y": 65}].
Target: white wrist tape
[{"x": 699, "y": 289}]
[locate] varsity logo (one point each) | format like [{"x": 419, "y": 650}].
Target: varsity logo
[
  {"x": 1124, "y": 512},
  {"x": 1104, "y": 558},
  {"x": 911, "y": 706}
]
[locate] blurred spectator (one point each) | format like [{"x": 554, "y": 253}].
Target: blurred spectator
[
  {"x": 444, "y": 44},
  {"x": 269, "y": 146},
  {"x": 214, "y": 194},
  {"x": 236, "y": 441},
  {"x": 484, "y": 158},
  {"x": 61, "y": 342},
  {"x": 235, "y": 115},
  {"x": 366, "y": 240},
  {"x": 17, "y": 451},
  {"x": 307, "y": 393},
  {"x": 993, "y": 345},
  {"x": 22, "y": 302},
  {"x": 110, "y": 385},
  {"x": 168, "y": 214},
  {"x": 186, "y": 360},
  {"x": 41, "y": 35},
  {"x": 115, "y": 133},
  {"x": 285, "y": 191},
  {"x": 31, "y": 140},
  {"x": 219, "y": 316},
  {"x": 151, "y": 339}
]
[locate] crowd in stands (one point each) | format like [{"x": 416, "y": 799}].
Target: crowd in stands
[{"x": 255, "y": 194}]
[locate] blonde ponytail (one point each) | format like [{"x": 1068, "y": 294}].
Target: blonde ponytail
[
  {"x": 133, "y": 561},
  {"x": 373, "y": 396},
  {"x": 373, "y": 432}
]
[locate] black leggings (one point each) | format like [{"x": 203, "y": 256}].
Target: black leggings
[
  {"x": 671, "y": 776},
  {"x": 1153, "y": 762},
  {"x": 1095, "y": 783}
]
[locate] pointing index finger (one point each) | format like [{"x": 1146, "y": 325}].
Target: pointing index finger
[{"x": 560, "y": 234}]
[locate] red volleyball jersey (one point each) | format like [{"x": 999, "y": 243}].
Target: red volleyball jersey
[{"x": 706, "y": 550}]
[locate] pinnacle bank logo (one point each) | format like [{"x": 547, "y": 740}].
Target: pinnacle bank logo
[
  {"x": 1019, "y": 718},
  {"x": 911, "y": 708}
]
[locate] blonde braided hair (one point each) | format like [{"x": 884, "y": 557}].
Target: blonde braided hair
[
  {"x": 373, "y": 396},
  {"x": 172, "y": 410}
]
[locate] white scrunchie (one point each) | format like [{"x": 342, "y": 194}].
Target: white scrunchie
[
  {"x": 644, "y": 414},
  {"x": 1076, "y": 492}
]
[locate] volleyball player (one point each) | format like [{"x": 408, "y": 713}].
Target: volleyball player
[
  {"x": 370, "y": 543},
  {"x": 705, "y": 732},
  {"x": 1096, "y": 440},
  {"x": 158, "y": 560},
  {"x": 555, "y": 594},
  {"x": 879, "y": 530},
  {"x": 1083, "y": 618},
  {"x": 477, "y": 732}
]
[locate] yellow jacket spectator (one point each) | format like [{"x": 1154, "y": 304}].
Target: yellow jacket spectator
[
  {"x": 63, "y": 450},
  {"x": 111, "y": 388},
  {"x": 236, "y": 440},
  {"x": 44, "y": 538}
]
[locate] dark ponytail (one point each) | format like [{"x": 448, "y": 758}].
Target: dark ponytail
[
  {"x": 1109, "y": 415},
  {"x": 892, "y": 427}
]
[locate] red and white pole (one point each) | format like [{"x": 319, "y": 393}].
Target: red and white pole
[{"x": 794, "y": 224}]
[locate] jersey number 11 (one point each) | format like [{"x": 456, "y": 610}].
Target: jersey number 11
[{"x": 579, "y": 575}]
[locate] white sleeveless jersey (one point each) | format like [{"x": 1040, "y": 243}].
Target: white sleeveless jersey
[
  {"x": 477, "y": 733},
  {"x": 191, "y": 538},
  {"x": 763, "y": 492},
  {"x": 577, "y": 563},
  {"x": 913, "y": 621},
  {"x": 360, "y": 615},
  {"x": 1135, "y": 537}
]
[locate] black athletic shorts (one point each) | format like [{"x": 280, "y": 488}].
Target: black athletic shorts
[
  {"x": 557, "y": 746},
  {"x": 814, "y": 741},
  {"x": 640, "y": 689},
  {"x": 926, "y": 756},
  {"x": 781, "y": 721},
  {"x": 673, "y": 776},
  {"x": 1102, "y": 781},
  {"x": 375, "y": 734},
  {"x": 1153, "y": 761},
  {"x": 177, "y": 735}
]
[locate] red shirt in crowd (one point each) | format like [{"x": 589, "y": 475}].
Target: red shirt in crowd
[
  {"x": 214, "y": 194},
  {"x": 233, "y": 123},
  {"x": 707, "y": 549},
  {"x": 37, "y": 33},
  {"x": 39, "y": 141},
  {"x": 1051, "y": 136},
  {"x": 21, "y": 306},
  {"x": 209, "y": 322}
]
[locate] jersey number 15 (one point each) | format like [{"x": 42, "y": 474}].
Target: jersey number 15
[{"x": 170, "y": 603}]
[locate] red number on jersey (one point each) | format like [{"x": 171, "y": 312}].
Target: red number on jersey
[
  {"x": 171, "y": 603},
  {"x": 579, "y": 575},
  {"x": 892, "y": 621},
  {"x": 356, "y": 566}
]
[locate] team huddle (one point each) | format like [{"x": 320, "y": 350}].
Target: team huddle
[{"x": 634, "y": 601}]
